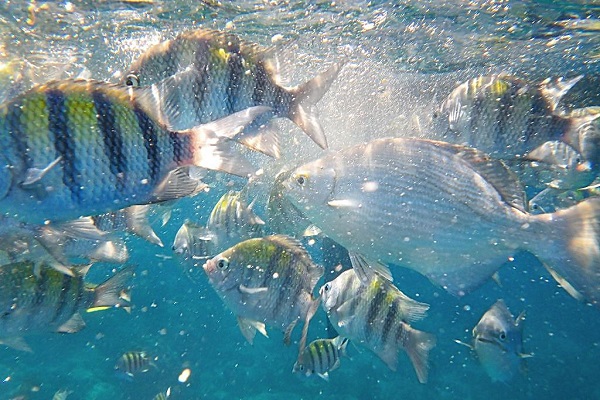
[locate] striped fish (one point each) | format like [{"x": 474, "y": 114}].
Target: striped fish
[
  {"x": 321, "y": 356},
  {"x": 224, "y": 74},
  {"x": 132, "y": 363},
  {"x": 163, "y": 395},
  {"x": 75, "y": 148},
  {"x": 36, "y": 299},
  {"x": 376, "y": 315},
  {"x": 507, "y": 117},
  {"x": 266, "y": 280}
]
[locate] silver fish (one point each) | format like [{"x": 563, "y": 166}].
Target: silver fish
[
  {"x": 321, "y": 356},
  {"x": 62, "y": 394},
  {"x": 194, "y": 241},
  {"x": 33, "y": 302},
  {"x": 376, "y": 315},
  {"x": 220, "y": 74},
  {"x": 508, "y": 117},
  {"x": 498, "y": 342},
  {"x": 266, "y": 280},
  {"x": 163, "y": 395},
  {"x": 449, "y": 212},
  {"x": 132, "y": 363}
]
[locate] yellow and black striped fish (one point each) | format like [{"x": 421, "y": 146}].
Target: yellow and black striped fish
[
  {"x": 221, "y": 74},
  {"x": 132, "y": 363},
  {"x": 76, "y": 148},
  {"x": 37, "y": 298},
  {"x": 321, "y": 356}
]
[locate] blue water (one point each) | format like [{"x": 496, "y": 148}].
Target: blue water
[{"x": 403, "y": 58}]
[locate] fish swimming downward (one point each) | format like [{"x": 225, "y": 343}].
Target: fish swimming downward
[
  {"x": 449, "y": 212},
  {"x": 37, "y": 299},
  {"x": 376, "y": 314},
  {"x": 498, "y": 342},
  {"x": 267, "y": 280},
  {"x": 219, "y": 74},
  {"x": 78, "y": 148},
  {"x": 321, "y": 356}
]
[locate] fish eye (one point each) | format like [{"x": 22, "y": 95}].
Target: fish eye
[
  {"x": 132, "y": 80},
  {"x": 301, "y": 179},
  {"x": 223, "y": 263},
  {"x": 327, "y": 287},
  {"x": 502, "y": 335}
]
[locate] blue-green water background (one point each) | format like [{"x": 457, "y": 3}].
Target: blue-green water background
[{"x": 403, "y": 57}]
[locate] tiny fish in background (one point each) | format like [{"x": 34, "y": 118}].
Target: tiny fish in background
[
  {"x": 321, "y": 356},
  {"x": 163, "y": 395},
  {"x": 61, "y": 394},
  {"x": 219, "y": 74},
  {"x": 133, "y": 363}
]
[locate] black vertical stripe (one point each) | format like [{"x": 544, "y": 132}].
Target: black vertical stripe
[
  {"x": 201, "y": 80},
  {"x": 389, "y": 320},
  {"x": 503, "y": 117},
  {"x": 319, "y": 357},
  {"x": 80, "y": 287},
  {"x": 41, "y": 286},
  {"x": 374, "y": 307},
  {"x": 62, "y": 298},
  {"x": 235, "y": 71},
  {"x": 182, "y": 150},
  {"x": 150, "y": 136},
  {"x": 112, "y": 137},
  {"x": 402, "y": 334},
  {"x": 19, "y": 139},
  {"x": 329, "y": 351},
  {"x": 63, "y": 141},
  {"x": 260, "y": 84}
]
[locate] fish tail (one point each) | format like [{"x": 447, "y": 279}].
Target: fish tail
[
  {"x": 114, "y": 291},
  {"x": 417, "y": 346},
  {"x": 136, "y": 218},
  {"x": 569, "y": 247},
  {"x": 305, "y": 97},
  {"x": 210, "y": 143}
]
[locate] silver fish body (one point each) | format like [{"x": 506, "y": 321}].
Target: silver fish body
[
  {"x": 220, "y": 74},
  {"x": 266, "y": 280},
  {"x": 375, "y": 314},
  {"x": 449, "y": 212},
  {"x": 321, "y": 356},
  {"x": 132, "y": 363},
  {"x": 498, "y": 342}
]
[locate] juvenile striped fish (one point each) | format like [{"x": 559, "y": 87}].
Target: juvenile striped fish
[
  {"x": 266, "y": 280},
  {"x": 220, "y": 74},
  {"x": 449, "y": 212},
  {"x": 321, "y": 356},
  {"x": 77, "y": 148},
  {"x": 47, "y": 300},
  {"x": 132, "y": 363},
  {"x": 508, "y": 117},
  {"x": 163, "y": 395},
  {"x": 375, "y": 314}
]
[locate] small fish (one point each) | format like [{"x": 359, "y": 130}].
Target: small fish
[
  {"x": 498, "y": 342},
  {"x": 375, "y": 314},
  {"x": 132, "y": 219},
  {"x": 133, "y": 363},
  {"x": 321, "y": 356},
  {"x": 47, "y": 300},
  {"x": 77, "y": 148},
  {"x": 587, "y": 139},
  {"x": 163, "y": 395},
  {"x": 551, "y": 200},
  {"x": 219, "y": 74},
  {"x": 266, "y": 280},
  {"x": 508, "y": 117},
  {"x": 449, "y": 212},
  {"x": 194, "y": 241},
  {"x": 61, "y": 394}
]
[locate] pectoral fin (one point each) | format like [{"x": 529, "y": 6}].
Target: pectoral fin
[
  {"x": 34, "y": 175},
  {"x": 73, "y": 325},
  {"x": 247, "y": 290},
  {"x": 249, "y": 328},
  {"x": 17, "y": 343}
]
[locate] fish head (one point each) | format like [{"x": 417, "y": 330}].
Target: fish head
[
  {"x": 311, "y": 185},
  {"x": 301, "y": 369},
  {"x": 220, "y": 272}
]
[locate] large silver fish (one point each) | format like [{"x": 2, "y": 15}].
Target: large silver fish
[
  {"x": 78, "y": 148},
  {"x": 498, "y": 342},
  {"x": 449, "y": 212},
  {"x": 508, "y": 117},
  {"x": 266, "y": 280},
  {"x": 49, "y": 300},
  {"x": 376, "y": 315},
  {"x": 220, "y": 74}
]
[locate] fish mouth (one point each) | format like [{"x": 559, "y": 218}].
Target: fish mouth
[
  {"x": 490, "y": 341},
  {"x": 209, "y": 266}
]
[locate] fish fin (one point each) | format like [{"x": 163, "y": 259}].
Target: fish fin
[
  {"x": 81, "y": 228},
  {"x": 113, "y": 251},
  {"x": 114, "y": 291},
  {"x": 526, "y": 355},
  {"x": 304, "y": 99},
  {"x": 265, "y": 140},
  {"x": 464, "y": 344},
  {"x": 342, "y": 345},
  {"x": 417, "y": 346},
  {"x": 136, "y": 218},
  {"x": 554, "y": 90},
  {"x": 312, "y": 230},
  {"x": 520, "y": 319},
  {"x": 249, "y": 328},
  {"x": 34, "y": 175},
  {"x": 82, "y": 270},
  {"x": 365, "y": 270},
  {"x": 252, "y": 290},
  {"x": 310, "y": 313},
  {"x": 342, "y": 203},
  {"x": 166, "y": 216},
  {"x": 287, "y": 335},
  {"x": 335, "y": 365},
  {"x": 73, "y": 325},
  {"x": 17, "y": 343},
  {"x": 57, "y": 266},
  {"x": 496, "y": 278},
  {"x": 389, "y": 355},
  {"x": 175, "y": 185},
  {"x": 324, "y": 376}
]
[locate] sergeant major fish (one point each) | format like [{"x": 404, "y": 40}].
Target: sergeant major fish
[
  {"x": 266, "y": 280},
  {"x": 321, "y": 356},
  {"x": 220, "y": 74},
  {"x": 51, "y": 301},
  {"x": 449, "y": 212},
  {"x": 132, "y": 363},
  {"x": 376, "y": 314},
  {"x": 76, "y": 148}
]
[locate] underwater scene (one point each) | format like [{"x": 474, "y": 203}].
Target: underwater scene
[{"x": 299, "y": 200}]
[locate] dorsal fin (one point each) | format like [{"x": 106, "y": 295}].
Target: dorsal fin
[
  {"x": 493, "y": 171},
  {"x": 554, "y": 90}
]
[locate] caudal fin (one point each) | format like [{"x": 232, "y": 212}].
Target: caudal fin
[
  {"x": 569, "y": 247},
  {"x": 302, "y": 110},
  {"x": 417, "y": 346},
  {"x": 115, "y": 291}
]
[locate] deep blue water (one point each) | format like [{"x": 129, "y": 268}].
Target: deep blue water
[{"x": 403, "y": 58}]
